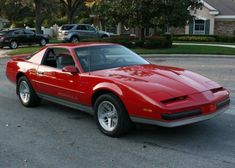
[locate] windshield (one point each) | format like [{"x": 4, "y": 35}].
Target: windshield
[
  {"x": 67, "y": 27},
  {"x": 106, "y": 57}
]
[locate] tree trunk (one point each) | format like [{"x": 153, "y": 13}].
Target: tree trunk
[
  {"x": 71, "y": 8},
  {"x": 70, "y": 17},
  {"x": 38, "y": 17},
  {"x": 141, "y": 33}
]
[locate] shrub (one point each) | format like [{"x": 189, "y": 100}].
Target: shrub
[
  {"x": 225, "y": 39},
  {"x": 132, "y": 42},
  {"x": 139, "y": 44},
  {"x": 195, "y": 38}
]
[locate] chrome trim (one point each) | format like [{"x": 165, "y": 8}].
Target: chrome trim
[
  {"x": 179, "y": 122},
  {"x": 76, "y": 106}
]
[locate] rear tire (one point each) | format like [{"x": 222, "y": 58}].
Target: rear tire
[
  {"x": 74, "y": 39},
  {"x": 43, "y": 42},
  {"x": 104, "y": 36},
  {"x": 13, "y": 44},
  {"x": 26, "y": 93},
  {"x": 111, "y": 116}
]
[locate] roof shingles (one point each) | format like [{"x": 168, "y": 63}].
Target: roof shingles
[{"x": 225, "y": 7}]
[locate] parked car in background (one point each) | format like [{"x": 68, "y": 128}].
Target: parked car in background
[
  {"x": 76, "y": 32},
  {"x": 15, "y": 37}
]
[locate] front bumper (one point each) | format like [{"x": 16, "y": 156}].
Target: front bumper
[
  {"x": 186, "y": 121},
  {"x": 63, "y": 38}
]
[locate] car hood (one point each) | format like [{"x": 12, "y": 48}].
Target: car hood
[{"x": 166, "y": 82}]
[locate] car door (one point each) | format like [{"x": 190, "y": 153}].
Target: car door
[
  {"x": 18, "y": 36},
  {"x": 55, "y": 83},
  {"x": 30, "y": 37},
  {"x": 91, "y": 32},
  {"x": 82, "y": 31}
]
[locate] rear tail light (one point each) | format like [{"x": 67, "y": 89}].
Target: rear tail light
[
  {"x": 66, "y": 33},
  {"x": 1, "y": 38},
  {"x": 173, "y": 100}
]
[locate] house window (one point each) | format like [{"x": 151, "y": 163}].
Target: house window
[{"x": 199, "y": 27}]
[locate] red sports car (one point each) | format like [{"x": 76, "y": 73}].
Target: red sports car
[{"x": 116, "y": 85}]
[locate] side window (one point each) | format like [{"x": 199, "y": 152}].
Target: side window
[
  {"x": 81, "y": 27},
  {"x": 18, "y": 32},
  {"x": 28, "y": 32},
  {"x": 58, "y": 58},
  {"x": 90, "y": 28}
]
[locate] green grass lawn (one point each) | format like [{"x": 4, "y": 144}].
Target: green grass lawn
[
  {"x": 177, "y": 49},
  {"x": 189, "y": 49},
  {"x": 24, "y": 50}
]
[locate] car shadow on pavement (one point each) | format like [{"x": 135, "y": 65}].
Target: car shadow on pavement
[
  {"x": 68, "y": 112},
  {"x": 202, "y": 130}
]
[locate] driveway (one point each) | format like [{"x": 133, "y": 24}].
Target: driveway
[
  {"x": 52, "y": 136},
  {"x": 3, "y": 52}
]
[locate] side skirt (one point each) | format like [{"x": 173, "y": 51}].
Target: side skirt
[{"x": 76, "y": 106}]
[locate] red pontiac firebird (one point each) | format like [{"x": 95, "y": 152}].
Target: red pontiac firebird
[{"x": 116, "y": 85}]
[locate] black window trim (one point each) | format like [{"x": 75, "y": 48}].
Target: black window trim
[{"x": 45, "y": 54}]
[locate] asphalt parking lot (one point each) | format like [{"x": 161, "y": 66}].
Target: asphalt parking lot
[{"x": 53, "y": 136}]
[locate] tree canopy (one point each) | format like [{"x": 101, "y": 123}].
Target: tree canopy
[
  {"x": 133, "y": 13},
  {"x": 147, "y": 13}
]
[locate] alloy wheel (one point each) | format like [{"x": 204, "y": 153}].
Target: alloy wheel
[
  {"x": 107, "y": 115},
  {"x": 43, "y": 42},
  {"x": 24, "y": 92},
  {"x": 14, "y": 45}
]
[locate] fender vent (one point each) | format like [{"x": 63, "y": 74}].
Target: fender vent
[
  {"x": 217, "y": 89},
  {"x": 173, "y": 100}
]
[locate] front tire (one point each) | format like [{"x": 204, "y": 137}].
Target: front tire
[
  {"x": 13, "y": 44},
  {"x": 26, "y": 93},
  {"x": 111, "y": 116}
]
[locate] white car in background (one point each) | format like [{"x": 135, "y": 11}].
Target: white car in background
[{"x": 76, "y": 32}]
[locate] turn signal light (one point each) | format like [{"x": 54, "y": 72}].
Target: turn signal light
[
  {"x": 209, "y": 108},
  {"x": 147, "y": 110},
  {"x": 212, "y": 107}
]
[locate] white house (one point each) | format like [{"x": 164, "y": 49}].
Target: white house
[{"x": 216, "y": 17}]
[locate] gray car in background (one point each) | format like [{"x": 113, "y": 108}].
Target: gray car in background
[{"x": 76, "y": 32}]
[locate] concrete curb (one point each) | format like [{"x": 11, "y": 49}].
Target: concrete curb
[
  {"x": 4, "y": 56},
  {"x": 204, "y": 44},
  {"x": 3, "y": 53}
]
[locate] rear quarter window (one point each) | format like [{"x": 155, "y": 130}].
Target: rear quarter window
[{"x": 67, "y": 27}]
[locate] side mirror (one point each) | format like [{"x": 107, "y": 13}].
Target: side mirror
[{"x": 71, "y": 69}]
